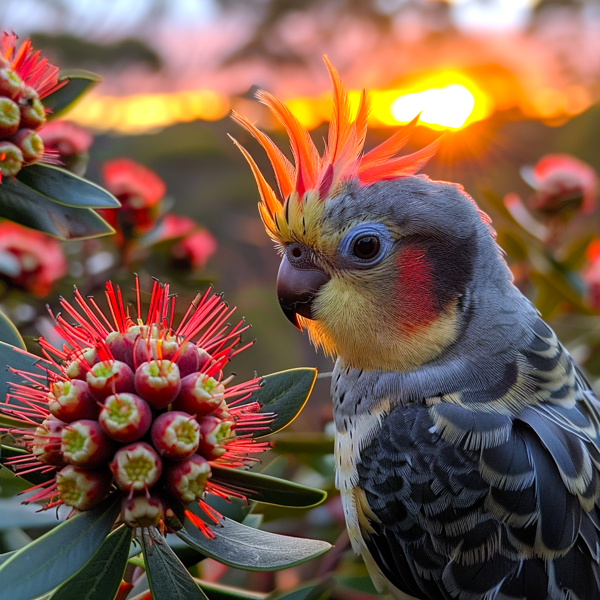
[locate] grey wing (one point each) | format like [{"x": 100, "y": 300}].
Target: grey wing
[{"x": 485, "y": 505}]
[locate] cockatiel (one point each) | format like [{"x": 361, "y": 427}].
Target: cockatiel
[{"x": 467, "y": 440}]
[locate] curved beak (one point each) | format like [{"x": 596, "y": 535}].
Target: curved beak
[{"x": 297, "y": 288}]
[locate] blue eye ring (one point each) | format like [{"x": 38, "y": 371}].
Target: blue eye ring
[{"x": 376, "y": 240}]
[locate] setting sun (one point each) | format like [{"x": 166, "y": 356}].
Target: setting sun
[{"x": 449, "y": 106}]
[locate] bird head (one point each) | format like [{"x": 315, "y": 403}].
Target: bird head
[{"x": 375, "y": 260}]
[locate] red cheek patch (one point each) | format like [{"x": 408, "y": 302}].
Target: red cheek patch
[{"x": 414, "y": 290}]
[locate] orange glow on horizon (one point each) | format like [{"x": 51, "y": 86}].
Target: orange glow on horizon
[
  {"x": 446, "y": 100},
  {"x": 145, "y": 113}
]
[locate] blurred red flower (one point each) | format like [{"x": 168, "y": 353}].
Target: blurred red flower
[
  {"x": 66, "y": 138},
  {"x": 194, "y": 250},
  {"x": 591, "y": 275},
  {"x": 564, "y": 185},
  {"x": 68, "y": 143},
  {"x": 139, "y": 190},
  {"x": 30, "y": 259}
]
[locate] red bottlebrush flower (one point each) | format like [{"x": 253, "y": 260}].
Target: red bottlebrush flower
[
  {"x": 174, "y": 226},
  {"x": 34, "y": 71},
  {"x": 564, "y": 185},
  {"x": 29, "y": 259},
  {"x": 134, "y": 185},
  {"x": 194, "y": 250},
  {"x": 203, "y": 343},
  {"x": 139, "y": 190},
  {"x": 25, "y": 78}
]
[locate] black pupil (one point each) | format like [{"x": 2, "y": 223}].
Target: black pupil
[{"x": 366, "y": 247}]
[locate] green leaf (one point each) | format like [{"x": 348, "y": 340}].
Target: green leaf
[
  {"x": 218, "y": 591},
  {"x": 101, "y": 576},
  {"x": 66, "y": 188},
  {"x": 251, "y": 549},
  {"x": 320, "y": 591},
  {"x": 79, "y": 82},
  {"x": 25, "y": 206},
  {"x": 9, "y": 334},
  {"x": 58, "y": 554},
  {"x": 4, "y": 557},
  {"x": 285, "y": 394},
  {"x": 168, "y": 578},
  {"x": 11, "y": 356},
  {"x": 267, "y": 489}
]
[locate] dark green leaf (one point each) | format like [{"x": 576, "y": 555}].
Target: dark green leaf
[
  {"x": 251, "y": 549},
  {"x": 27, "y": 207},
  {"x": 79, "y": 82},
  {"x": 9, "y": 334},
  {"x": 168, "y": 578},
  {"x": 285, "y": 394},
  {"x": 101, "y": 576},
  {"x": 65, "y": 188},
  {"x": 11, "y": 356},
  {"x": 15, "y": 514},
  {"x": 271, "y": 490},
  {"x": 58, "y": 554},
  {"x": 217, "y": 591},
  {"x": 320, "y": 591},
  {"x": 4, "y": 557}
]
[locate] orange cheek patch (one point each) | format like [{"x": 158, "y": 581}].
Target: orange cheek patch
[{"x": 415, "y": 290}]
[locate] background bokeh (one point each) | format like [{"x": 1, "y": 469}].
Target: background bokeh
[{"x": 528, "y": 77}]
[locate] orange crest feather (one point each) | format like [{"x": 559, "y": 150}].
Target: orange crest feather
[{"x": 342, "y": 158}]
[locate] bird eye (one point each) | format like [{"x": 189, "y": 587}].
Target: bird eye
[{"x": 366, "y": 247}]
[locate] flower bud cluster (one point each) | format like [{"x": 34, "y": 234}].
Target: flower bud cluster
[
  {"x": 140, "y": 410},
  {"x": 22, "y": 114}
]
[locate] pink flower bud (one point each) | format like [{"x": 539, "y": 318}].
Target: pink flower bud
[
  {"x": 175, "y": 435},
  {"x": 222, "y": 412},
  {"x": 186, "y": 480},
  {"x": 199, "y": 394},
  {"x": 84, "y": 443},
  {"x": 121, "y": 345},
  {"x": 10, "y": 117},
  {"x": 78, "y": 368},
  {"x": 188, "y": 360},
  {"x": 45, "y": 445},
  {"x": 204, "y": 359},
  {"x": 11, "y": 159},
  {"x": 136, "y": 467},
  {"x": 83, "y": 488},
  {"x": 33, "y": 115},
  {"x": 125, "y": 417},
  {"x": 158, "y": 382},
  {"x": 10, "y": 83},
  {"x": 213, "y": 434},
  {"x": 150, "y": 347},
  {"x": 110, "y": 377},
  {"x": 142, "y": 511},
  {"x": 71, "y": 401},
  {"x": 30, "y": 144}
]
